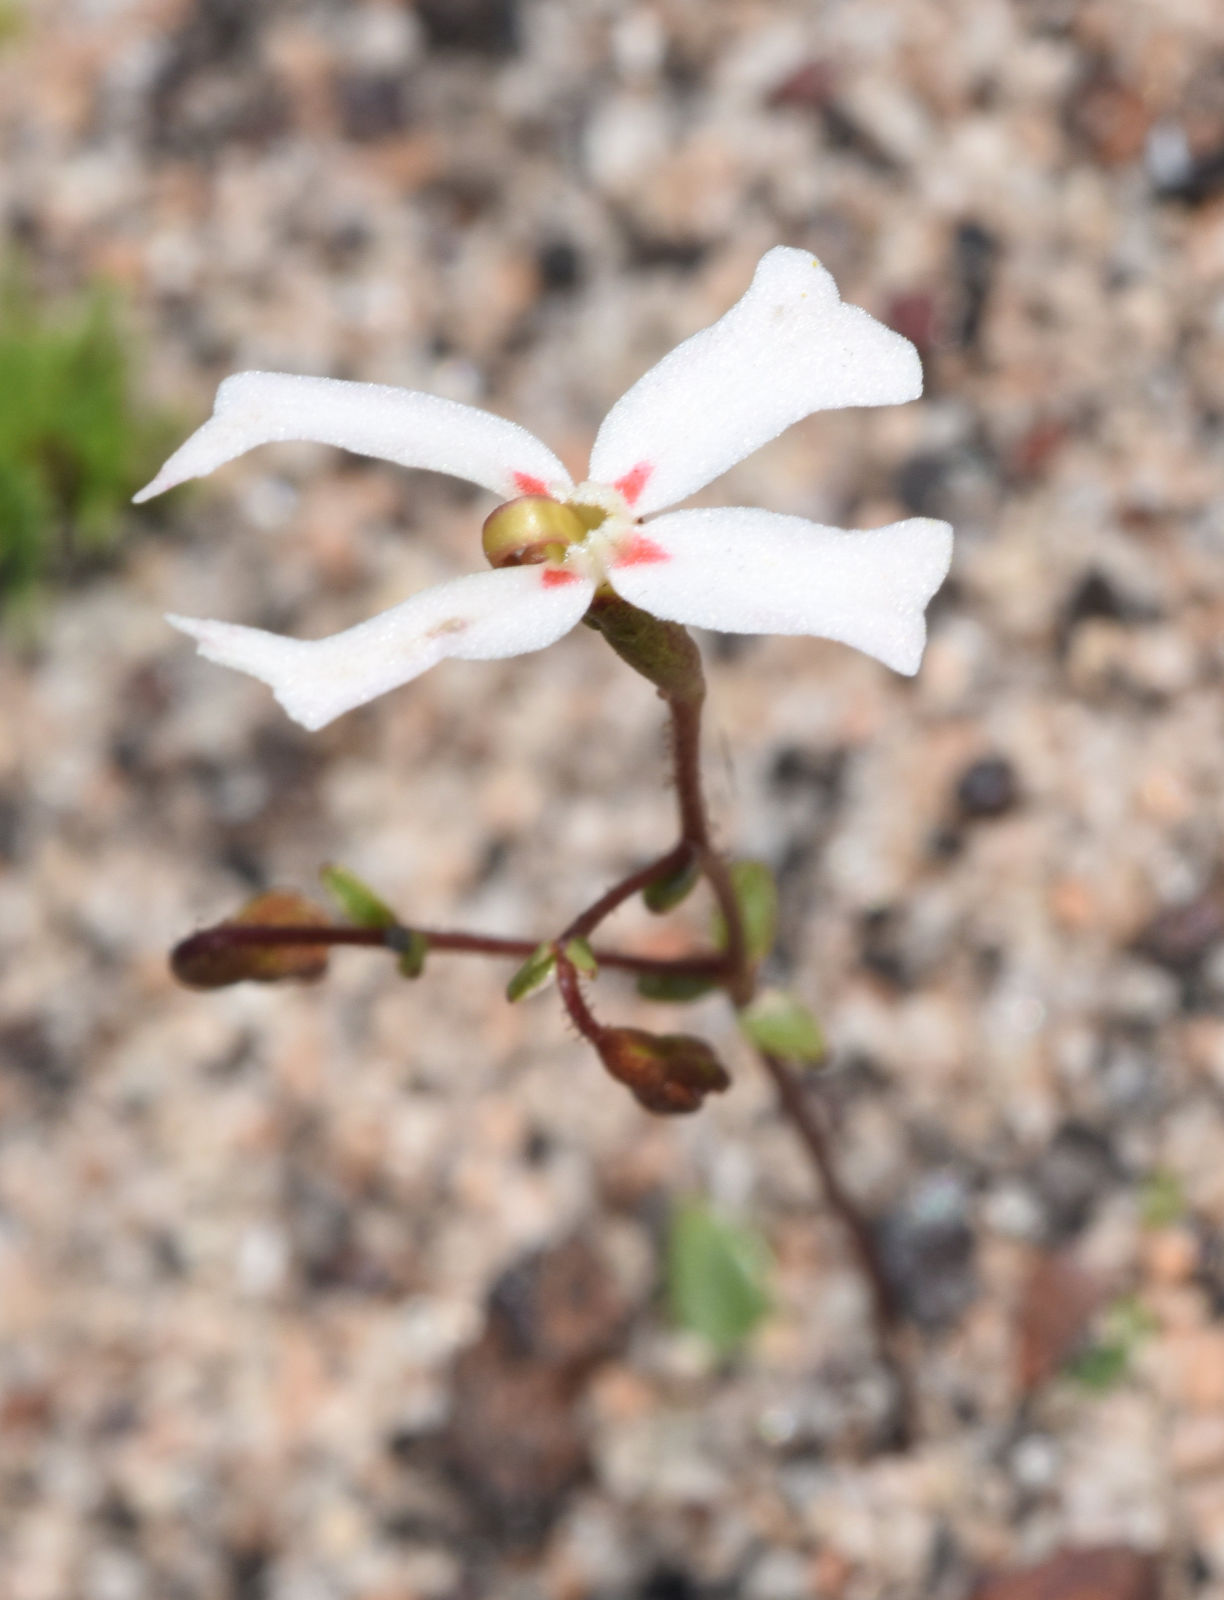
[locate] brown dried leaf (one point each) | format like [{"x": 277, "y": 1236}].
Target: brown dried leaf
[
  {"x": 1101, "y": 1572},
  {"x": 1057, "y": 1303}
]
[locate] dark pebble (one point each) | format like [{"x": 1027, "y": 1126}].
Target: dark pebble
[
  {"x": 987, "y": 788},
  {"x": 371, "y": 105},
  {"x": 1070, "y": 1177},
  {"x": 559, "y": 266},
  {"x": 484, "y": 27},
  {"x": 928, "y": 1251},
  {"x": 975, "y": 254},
  {"x": 1179, "y": 937}
]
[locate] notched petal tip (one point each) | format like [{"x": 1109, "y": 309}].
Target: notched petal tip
[
  {"x": 790, "y": 346},
  {"x": 741, "y": 570},
  {"x": 297, "y": 671}
]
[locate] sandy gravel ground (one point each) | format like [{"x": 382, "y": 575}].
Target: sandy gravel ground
[{"x": 248, "y": 1241}]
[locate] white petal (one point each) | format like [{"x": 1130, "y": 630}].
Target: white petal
[
  {"x": 371, "y": 419},
  {"x": 748, "y": 571},
  {"x": 477, "y": 618},
  {"x": 788, "y": 348}
]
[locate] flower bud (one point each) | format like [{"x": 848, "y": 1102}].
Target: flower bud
[
  {"x": 530, "y": 530},
  {"x": 216, "y": 957},
  {"x": 667, "y": 1073}
]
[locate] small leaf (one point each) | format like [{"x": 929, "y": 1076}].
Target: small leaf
[
  {"x": 579, "y": 954},
  {"x": 356, "y": 899},
  {"x": 413, "y": 947},
  {"x": 757, "y": 894},
  {"x": 776, "y": 1022},
  {"x": 1101, "y": 1367},
  {"x": 533, "y": 974},
  {"x": 1107, "y": 1361},
  {"x": 665, "y": 893},
  {"x": 1162, "y": 1200},
  {"x": 208, "y": 960},
  {"x": 716, "y": 1276},
  {"x": 675, "y": 986}
]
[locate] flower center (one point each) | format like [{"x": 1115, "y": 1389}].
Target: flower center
[{"x": 584, "y": 532}]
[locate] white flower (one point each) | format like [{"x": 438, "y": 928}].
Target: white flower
[{"x": 788, "y": 348}]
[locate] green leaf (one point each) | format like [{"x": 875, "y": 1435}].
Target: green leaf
[
  {"x": 674, "y": 986},
  {"x": 533, "y": 974},
  {"x": 74, "y": 444},
  {"x": 757, "y": 894},
  {"x": 12, "y": 21},
  {"x": 1162, "y": 1201},
  {"x": 356, "y": 899},
  {"x": 579, "y": 953},
  {"x": 413, "y": 948},
  {"x": 776, "y": 1022},
  {"x": 1107, "y": 1361},
  {"x": 716, "y": 1276},
  {"x": 665, "y": 893},
  {"x": 1101, "y": 1367}
]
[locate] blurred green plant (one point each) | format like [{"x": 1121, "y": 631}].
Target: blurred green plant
[
  {"x": 74, "y": 444},
  {"x": 12, "y": 21},
  {"x": 1128, "y": 1324},
  {"x": 1162, "y": 1200},
  {"x": 717, "y": 1272}
]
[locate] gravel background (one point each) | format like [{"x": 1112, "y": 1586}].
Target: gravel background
[{"x": 275, "y": 1318}]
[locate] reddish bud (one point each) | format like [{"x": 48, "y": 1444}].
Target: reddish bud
[
  {"x": 216, "y": 957},
  {"x": 667, "y": 1073}
]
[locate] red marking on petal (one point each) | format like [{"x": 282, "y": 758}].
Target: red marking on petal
[
  {"x": 634, "y": 481},
  {"x": 554, "y": 577},
  {"x": 526, "y": 484},
  {"x": 639, "y": 551}
]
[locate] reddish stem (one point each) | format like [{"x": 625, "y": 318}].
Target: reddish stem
[
  {"x": 587, "y": 921},
  {"x": 740, "y": 982},
  {"x": 686, "y": 763},
  {"x": 227, "y": 935},
  {"x": 581, "y": 1015}
]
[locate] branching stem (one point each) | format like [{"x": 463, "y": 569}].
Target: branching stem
[{"x": 666, "y": 655}]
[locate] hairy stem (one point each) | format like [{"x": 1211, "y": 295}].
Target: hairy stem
[
  {"x": 686, "y": 764},
  {"x": 585, "y": 923},
  {"x": 580, "y": 1014}
]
